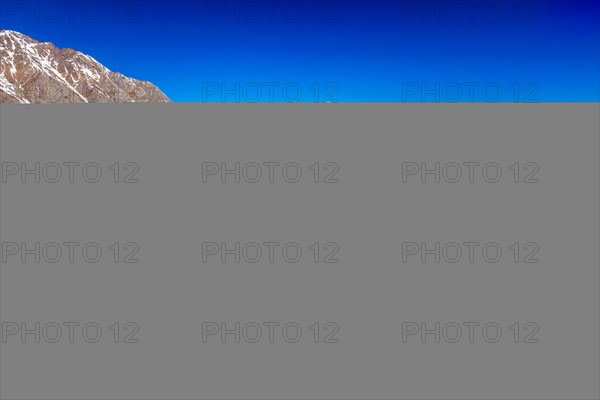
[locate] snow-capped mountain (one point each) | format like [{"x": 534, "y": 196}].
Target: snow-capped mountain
[{"x": 34, "y": 72}]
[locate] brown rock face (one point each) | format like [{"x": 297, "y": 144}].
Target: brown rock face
[{"x": 34, "y": 72}]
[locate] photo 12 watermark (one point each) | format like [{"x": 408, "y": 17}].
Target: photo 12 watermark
[
  {"x": 469, "y": 332},
  {"x": 69, "y": 332},
  {"x": 470, "y": 92},
  {"x": 470, "y": 172},
  {"x": 34, "y": 91},
  {"x": 269, "y": 172},
  {"x": 66, "y": 12},
  {"x": 71, "y": 252},
  {"x": 269, "y": 332},
  {"x": 469, "y": 12},
  {"x": 270, "y": 12},
  {"x": 270, "y": 252},
  {"x": 453, "y": 252},
  {"x": 28, "y": 172},
  {"x": 270, "y": 92}
]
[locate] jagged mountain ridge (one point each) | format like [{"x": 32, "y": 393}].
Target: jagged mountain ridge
[{"x": 34, "y": 72}]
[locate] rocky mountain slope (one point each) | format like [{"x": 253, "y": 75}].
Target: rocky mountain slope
[{"x": 34, "y": 72}]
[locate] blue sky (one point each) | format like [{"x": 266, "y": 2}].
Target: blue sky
[{"x": 321, "y": 50}]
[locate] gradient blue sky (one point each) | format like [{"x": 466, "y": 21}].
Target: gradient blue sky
[{"x": 368, "y": 51}]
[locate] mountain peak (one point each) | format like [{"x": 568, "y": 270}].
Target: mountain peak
[
  {"x": 12, "y": 33},
  {"x": 7, "y": 33},
  {"x": 34, "y": 72}
]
